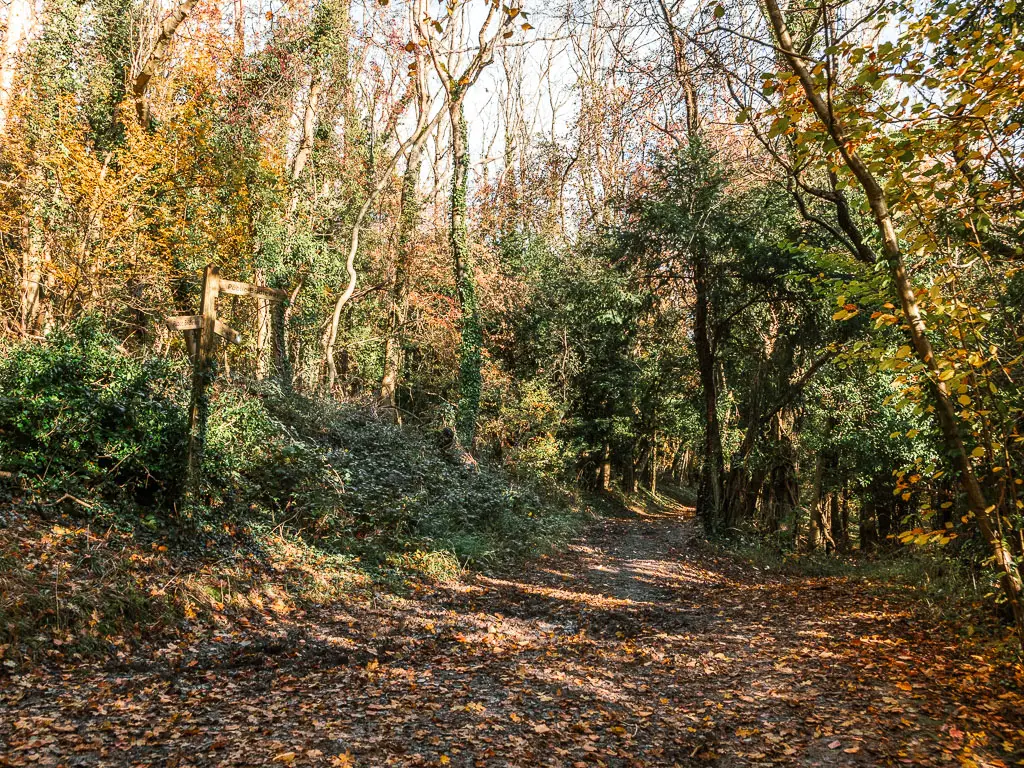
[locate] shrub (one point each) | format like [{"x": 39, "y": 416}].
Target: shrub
[
  {"x": 81, "y": 416},
  {"x": 77, "y": 415}
]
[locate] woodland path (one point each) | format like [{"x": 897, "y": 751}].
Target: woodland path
[{"x": 637, "y": 647}]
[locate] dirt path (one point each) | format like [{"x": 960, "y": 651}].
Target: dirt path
[{"x": 635, "y": 648}]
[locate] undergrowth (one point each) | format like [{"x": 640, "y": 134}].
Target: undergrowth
[
  {"x": 948, "y": 588},
  {"x": 301, "y": 500}
]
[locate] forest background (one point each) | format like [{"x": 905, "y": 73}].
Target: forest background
[{"x": 771, "y": 256}]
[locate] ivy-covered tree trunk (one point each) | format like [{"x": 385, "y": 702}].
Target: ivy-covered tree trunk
[
  {"x": 470, "y": 349},
  {"x": 399, "y": 309},
  {"x": 31, "y": 283}
]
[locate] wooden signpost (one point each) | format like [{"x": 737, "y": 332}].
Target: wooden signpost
[{"x": 204, "y": 367}]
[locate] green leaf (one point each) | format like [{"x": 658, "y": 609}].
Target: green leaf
[{"x": 778, "y": 127}]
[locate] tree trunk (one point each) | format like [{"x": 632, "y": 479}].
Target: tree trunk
[
  {"x": 415, "y": 142},
  {"x": 710, "y": 489},
  {"x": 31, "y": 282},
  {"x": 471, "y": 346},
  {"x": 652, "y": 468},
  {"x": 399, "y": 310},
  {"x": 835, "y": 519},
  {"x": 239, "y": 23},
  {"x": 675, "y": 471},
  {"x": 264, "y": 328},
  {"x": 867, "y": 524},
  {"x": 885, "y": 510},
  {"x": 815, "y": 535},
  {"x": 140, "y": 86},
  {"x": 606, "y": 466},
  {"x": 843, "y": 539},
  {"x": 315, "y": 86},
  {"x": 627, "y": 463}
]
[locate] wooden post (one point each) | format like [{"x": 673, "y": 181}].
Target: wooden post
[
  {"x": 204, "y": 369},
  {"x": 203, "y": 373}
]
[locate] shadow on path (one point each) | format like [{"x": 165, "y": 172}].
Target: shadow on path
[{"x": 636, "y": 647}]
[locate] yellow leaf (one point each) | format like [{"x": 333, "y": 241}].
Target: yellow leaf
[
  {"x": 285, "y": 757},
  {"x": 978, "y": 452},
  {"x": 964, "y": 400}
]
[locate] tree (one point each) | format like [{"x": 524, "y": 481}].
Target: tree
[
  {"x": 457, "y": 77},
  {"x": 935, "y": 375}
]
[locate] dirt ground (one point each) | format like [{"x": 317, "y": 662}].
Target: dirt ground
[{"x": 636, "y": 647}]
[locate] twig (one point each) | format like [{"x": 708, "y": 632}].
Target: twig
[{"x": 85, "y": 504}]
